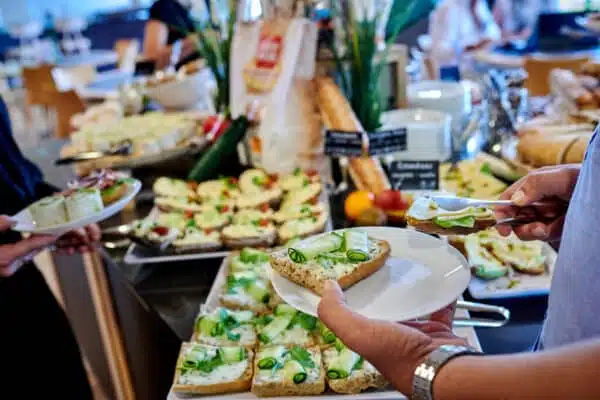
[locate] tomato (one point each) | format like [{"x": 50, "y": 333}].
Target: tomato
[
  {"x": 314, "y": 201},
  {"x": 357, "y": 202},
  {"x": 312, "y": 172},
  {"x": 223, "y": 208},
  {"x": 192, "y": 185},
  {"x": 263, "y": 222},
  {"x": 161, "y": 230},
  {"x": 208, "y": 231},
  {"x": 226, "y": 194},
  {"x": 264, "y": 207},
  {"x": 189, "y": 214},
  {"x": 215, "y": 126},
  {"x": 274, "y": 177},
  {"x": 391, "y": 200}
]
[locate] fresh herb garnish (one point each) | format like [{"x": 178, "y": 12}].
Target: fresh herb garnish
[
  {"x": 306, "y": 321},
  {"x": 234, "y": 337},
  {"x": 302, "y": 356},
  {"x": 485, "y": 169},
  {"x": 190, "y": 224},
  {"x": 208, "y": 366},
  {"x": 263, "y": 320},
  {"x": 297, "y": 171},
  {"x": 258, "y": 181}
]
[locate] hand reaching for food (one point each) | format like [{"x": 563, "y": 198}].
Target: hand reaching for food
[{"x": 550, "y": 184}]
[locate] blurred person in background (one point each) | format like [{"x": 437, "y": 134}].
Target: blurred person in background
[
  {"x": 516, "y": 18},
  {"x": 456, "y": 26},
  {"x": 170, "y": 22},
  {"x": 38, "y": 348}
]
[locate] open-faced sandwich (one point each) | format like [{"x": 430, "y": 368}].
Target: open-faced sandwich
[
  {"x": 178, "y": 204},
  {"x": 347, "y": 256},
  {"x": 256, "y": 234},
  {"x": 203, "y": 369},
  {"x": 492, "y": 255},
  {"x": 195, "y": 239},
  {"x": 302, "y": 227},
  {"x": 169, "y": 187},
  {"x": 280, "y": 371},
  {"x": 253, "y": 260},
  {"x": 223, "y": 327},
  {"x": 214, "y": 218},
  {"x": 249, "y": 215},
  {"x": 298, "y": 211},
  {"x": 173, "y": 220},
  {"x": 307, "y": 194},
  {"x": 224, "y": 188},
  {"x": 272, "y": 197},
  {"x": 426, "y": 216},
  {"x": 246, "y": 290},
  {"x": 148, "y": 230},
  {"x": 286, "y": 326},
  {"x": 347, "y": 372},
  {"x": 298, "y": 179},
  {"x": 254, "y": 181},
  {"x": 70, "y": 206}
]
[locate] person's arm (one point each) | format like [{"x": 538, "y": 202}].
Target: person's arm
[
  {"x": 567, "y": 373},
  {"x": 155, "y": 48}
]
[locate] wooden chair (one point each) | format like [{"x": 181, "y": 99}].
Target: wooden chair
[
  {"x": 538, "y": 70},
  {"x": 67, "y": 103}
]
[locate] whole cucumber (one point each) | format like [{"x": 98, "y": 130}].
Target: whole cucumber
[{"x": 211, "y": 162}]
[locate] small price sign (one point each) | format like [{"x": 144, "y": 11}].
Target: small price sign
[
  {"x": 387, "y": 142},
  {"x": 415, "y": 175},
  {"x": 344, "y": 144}
]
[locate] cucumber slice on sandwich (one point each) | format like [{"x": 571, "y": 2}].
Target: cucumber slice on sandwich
[
  {"x": 275, "y": 327},
  {"x": 259, "y": 291},
  {"x": 308, "y": 250},
  {"x": 231, "y": 355},
  {"x": 210, "y": 325},
  {"x": 294, "y": 371},
  {"x": 326, "y": 334},
  {"x": 343, "y": 365},
  {"x": 253, "y": 256},
  {"x": 271, "y": 356},
  {"x": 356, "y": 245},
  {"x": 284, "y": 309}
]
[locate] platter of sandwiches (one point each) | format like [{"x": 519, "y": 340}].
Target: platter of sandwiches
[
  {"x": 248, "y": 343},
  {"x": 506, "y": 267},
  {"x": 385, "y": 272},
  {"x": 208, "y": 219}
]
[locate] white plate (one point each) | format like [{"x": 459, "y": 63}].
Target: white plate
[
  {"x": 25, "y": 221},
  {"x": 422, "y": 275},
  {"x": 529, "y": 285}
]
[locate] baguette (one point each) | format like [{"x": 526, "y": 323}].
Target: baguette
[
  {"x": 313, "y": 276},
  {"x": 541, "y": 150},
  {"x": 591, "y": 68},
  {"x": 567, "y": 84},
  {"x": 268, "y": 384},
  {"x": 240, "y": 383},
  {"x": 359, "y": 380},
  {"x": 575, "y": 153},
  {"x": 366, "y": 172}
]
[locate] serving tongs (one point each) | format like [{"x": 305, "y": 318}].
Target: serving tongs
[
  {"x": 481, "y": 322},
  {"x": 122, "y": 148}
]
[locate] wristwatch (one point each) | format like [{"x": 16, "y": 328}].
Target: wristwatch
[{"x": 426, "y": 372}]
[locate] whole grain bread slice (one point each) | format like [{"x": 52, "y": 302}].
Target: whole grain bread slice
[
  {"x": 430, "y": 227},
  {"x": 241, "y": 384},
  {"x": 313, "y": 276}
]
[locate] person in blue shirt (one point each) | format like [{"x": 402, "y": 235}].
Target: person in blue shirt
[
  {"x": 38, "y": 350},
  {"x": 568, "y": 366}
]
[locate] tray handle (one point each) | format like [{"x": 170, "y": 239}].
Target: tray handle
[{"x": 481, "y": 322}]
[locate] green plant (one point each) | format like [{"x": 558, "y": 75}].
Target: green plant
[
  {"x": 360, "y": 56},
  {"x": 215, "y": 47}
]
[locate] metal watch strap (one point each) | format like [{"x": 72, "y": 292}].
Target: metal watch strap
[{"x": 426, "y": 372}]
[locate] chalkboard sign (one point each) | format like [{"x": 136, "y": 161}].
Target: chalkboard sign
[
  {"x": 340, "y": 144},
  {"x": 415, "y": 175},
  {"x": 387, "y": 142}
]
